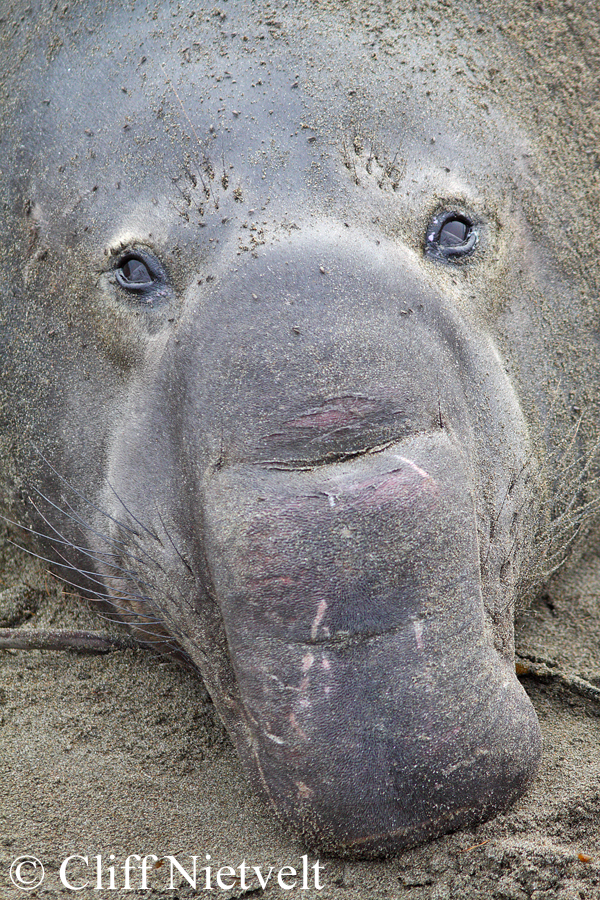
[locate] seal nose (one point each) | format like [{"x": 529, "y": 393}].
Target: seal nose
[{"x": 379, "y": 711}]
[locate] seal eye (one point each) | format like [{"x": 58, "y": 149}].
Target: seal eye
[
  {"x": 453, "y": 233},
  {"x": 133, "y": 274},
  {"x": 450, "y": 236}
]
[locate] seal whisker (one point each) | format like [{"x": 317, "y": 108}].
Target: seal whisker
[
  {"x": 131, "y": 515},
  {"x": 73, "y": 516},
  {"x": 127, "y": 616},
  {"x": 523, "y": 473},
  {"x": 86, "y": 551},
  {"x": 102, "y": 595},
  {"x": 78, "y": 521},
  {"x": 64, "y": 565},
  {"x": 112, "y": 599},
  {"x": 91, "y": 576},
  {"x": 172, "y": 542},
  {"x": 82, "y": 497},
  {"x": 123, "y": 548},
  {"x": 150, "y": 639},
  {"x": 580, "y": 479},
  {"x": 51, "y": 562},
  {"x": 40, "y": 534}
]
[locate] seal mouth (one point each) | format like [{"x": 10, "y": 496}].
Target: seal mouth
[{"x": 378, "y": 711}]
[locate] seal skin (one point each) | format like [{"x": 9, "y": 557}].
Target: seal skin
[{"x": 282, "y": 324}]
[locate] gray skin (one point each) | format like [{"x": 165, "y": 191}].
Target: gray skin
[{"x": 316, "y": 457}]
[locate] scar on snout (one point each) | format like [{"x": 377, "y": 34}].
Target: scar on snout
[
  {"x": 321, "y": 609},
  {"x": 419, "y": 635},
  {"x": 307, "y": 661},
  {"x": 299, "y": 731},
  {"x": 415, "y": 467},
  {"x": 304, "y": 792}
]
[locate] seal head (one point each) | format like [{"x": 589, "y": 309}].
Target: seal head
[{"x": 277, "y": 330}]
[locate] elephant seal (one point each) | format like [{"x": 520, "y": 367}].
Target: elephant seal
[{"x": 298, "y": 330}]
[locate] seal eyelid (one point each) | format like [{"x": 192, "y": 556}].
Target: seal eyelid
[{"x": 451, "y": 236}]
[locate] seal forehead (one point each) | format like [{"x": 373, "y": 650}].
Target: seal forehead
[{"x": 230, "y": 94}]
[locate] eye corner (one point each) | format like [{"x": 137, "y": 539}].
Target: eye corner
[{"x": 452, "y": 235}]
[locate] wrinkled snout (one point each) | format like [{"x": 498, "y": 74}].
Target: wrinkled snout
[{"x": 379, "y": 712}]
